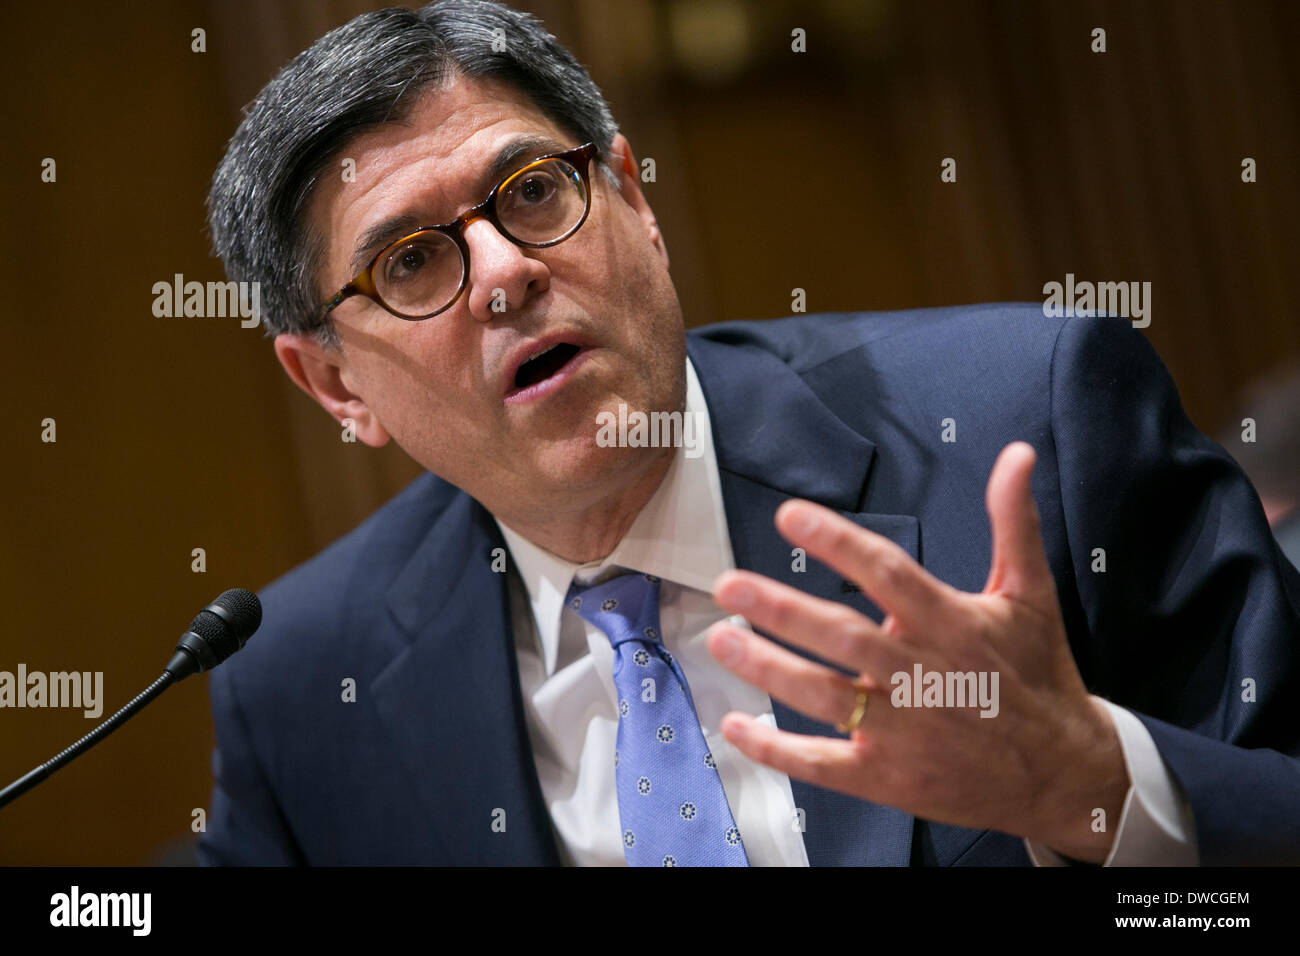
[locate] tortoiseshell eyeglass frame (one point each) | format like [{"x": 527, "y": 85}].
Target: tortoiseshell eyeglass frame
[{"x": 364, "y": 283}]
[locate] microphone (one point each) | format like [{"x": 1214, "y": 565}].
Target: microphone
[{"x": 216, "y": 632}]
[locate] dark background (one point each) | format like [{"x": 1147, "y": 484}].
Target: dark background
[{"x": 775, "y": 170}]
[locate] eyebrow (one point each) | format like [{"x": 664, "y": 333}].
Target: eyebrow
[{"x": 510, "y": 156}]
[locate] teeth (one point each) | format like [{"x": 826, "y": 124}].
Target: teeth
[{"x": 539, "y": 353}]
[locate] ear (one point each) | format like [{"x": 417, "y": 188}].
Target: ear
[
  {"x": 629, "y": 173},
  {"x": 322, "y": 374}
]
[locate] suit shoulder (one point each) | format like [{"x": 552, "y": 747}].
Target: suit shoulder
[
  {"x": 806, "y": 341},
  {"x": 995, "y": 366},
  {"x": 307, "y": 608}
]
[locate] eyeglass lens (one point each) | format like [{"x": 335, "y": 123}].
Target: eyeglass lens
[{"x": 537, "y": 206}]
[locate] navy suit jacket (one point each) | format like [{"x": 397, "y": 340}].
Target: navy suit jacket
[{"x": 432, "y": 763}]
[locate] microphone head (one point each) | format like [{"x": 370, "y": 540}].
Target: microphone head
[
  {"x": 216, "y": 632},
  {"x": 242, "y": 611}
]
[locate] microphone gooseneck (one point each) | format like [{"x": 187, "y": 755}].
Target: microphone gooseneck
[{"x": 216, "y": 632}]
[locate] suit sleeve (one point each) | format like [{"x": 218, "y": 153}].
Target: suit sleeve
[
  {"x": 1192, "y": 612},
  {"x": 245, "y": 825}
]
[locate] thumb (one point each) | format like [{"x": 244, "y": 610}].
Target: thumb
[{"x": 1019, "y": 562}]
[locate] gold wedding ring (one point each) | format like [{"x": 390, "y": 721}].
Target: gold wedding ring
[{"x": 859, "y": 711}]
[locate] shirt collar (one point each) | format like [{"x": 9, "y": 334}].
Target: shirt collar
[{"x": 680, "y": 535}]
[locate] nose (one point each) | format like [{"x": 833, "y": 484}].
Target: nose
[{"x": 502, "y": 277}]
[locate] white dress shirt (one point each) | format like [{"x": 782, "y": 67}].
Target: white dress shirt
[{"x": 566, "y": 676}]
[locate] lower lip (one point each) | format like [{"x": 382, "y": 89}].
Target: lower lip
[{"x": 539, "y": 390}]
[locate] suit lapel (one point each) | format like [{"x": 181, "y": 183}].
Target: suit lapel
[
  {"x": 451, "y": 702},
  {"x": 775, "y": 440}
]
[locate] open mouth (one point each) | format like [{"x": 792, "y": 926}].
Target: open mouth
[{"x": 541, "y": 367}]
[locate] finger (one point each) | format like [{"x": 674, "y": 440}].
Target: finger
[
  {"x": 884, "y": 571},
  {"x": 1019, "y": 562},
  {"x": 822, "y": 761},
  {"x": 809, "y": 688},
  {"x": 833, "y": 631}
]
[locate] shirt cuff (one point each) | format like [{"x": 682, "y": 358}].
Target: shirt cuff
[{"x": 1156, "y": 827}]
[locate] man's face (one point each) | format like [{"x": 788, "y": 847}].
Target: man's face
[{"x": 445, "y": 388}]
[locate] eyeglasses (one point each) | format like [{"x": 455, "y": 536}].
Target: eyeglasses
[{"x": 424, "y": 273}]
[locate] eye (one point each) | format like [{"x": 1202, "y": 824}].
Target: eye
[
  {"x": 542, "y": 203},
  {"x": 410, "y": 261},
  {"x": 536, "y": 188}
]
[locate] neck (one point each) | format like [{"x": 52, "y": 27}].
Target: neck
[{"x": 593, "y": 529}]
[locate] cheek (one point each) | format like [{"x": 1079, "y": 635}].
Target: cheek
[
  {"x": 414, "y": 395},
  {"x": 631, "y": 279},
  {"x": 628, "y": 282}
]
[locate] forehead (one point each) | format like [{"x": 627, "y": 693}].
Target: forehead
[{"x": 427, "y": 167}]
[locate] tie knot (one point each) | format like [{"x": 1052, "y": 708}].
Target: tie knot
[{"x": 625, "y": 608}]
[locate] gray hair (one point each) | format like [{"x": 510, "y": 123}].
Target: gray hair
[{"x": 357, "y": 77}]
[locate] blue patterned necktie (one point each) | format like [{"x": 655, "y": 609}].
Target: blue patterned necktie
[{"x": 670, "y": 798}]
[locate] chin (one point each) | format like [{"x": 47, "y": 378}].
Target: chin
[{"x": 581, "y": 464}]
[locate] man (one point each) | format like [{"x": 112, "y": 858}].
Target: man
[{"x": 521, "y": 659}]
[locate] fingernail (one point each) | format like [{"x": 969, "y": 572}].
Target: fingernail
[
  {"x": 741, "y": 595},
  {"x": 734, "y": 731},
  {"x": 804, "y": 521},
  {"x": 728, "y": 647}
]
